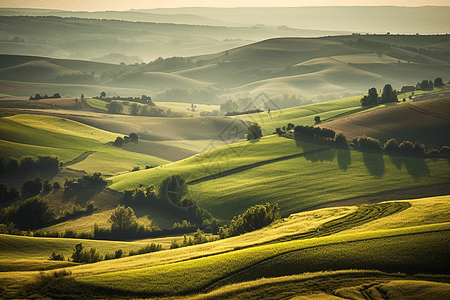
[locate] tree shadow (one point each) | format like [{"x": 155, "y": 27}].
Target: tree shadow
[
  {"x": 81, "y": 195},
  {"x": 416, "y": 167},
  {"x": 397, "y": 161},
  {"x": 374, "y": 163},
  {"x": 323, "y": 155},
  {"x": 344, "y": 158}
]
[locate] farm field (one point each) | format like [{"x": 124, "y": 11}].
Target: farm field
[{"x": 44, "y": 135}]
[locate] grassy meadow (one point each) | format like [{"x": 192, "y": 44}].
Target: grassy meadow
[{"x": 44, "y": 135}]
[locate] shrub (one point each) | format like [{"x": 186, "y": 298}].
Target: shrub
[
  {"x": 366, "y": 142},
  {"x": 33, "y": 186},
  {"x": 256, "y": 217},
  {"x": 81, "y": 255},
  {"x": 118, "y": 253},
  {"x": 254, "y": 132},
  {"x": 391, "y": 145},
  {"x": 317, "y": 119},
  {"x": 406, "y": 147},
  {"x": 29, "y": 214},
  {"x": 58, "y": 256},
  {"x": 118, "y": 142},
  {"x": 340, "y": 139}
]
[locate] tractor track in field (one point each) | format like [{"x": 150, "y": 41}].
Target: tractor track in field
[
  {"x": 78, "y": 159},
  {"x": 250, "y": 166}
]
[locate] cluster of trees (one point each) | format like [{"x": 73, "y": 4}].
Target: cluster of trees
[
  {"x": 254, "y": 218},
  {"x": 35, "y": 186},
  {"x": 114, "y": 107},
  {"x": 238, "y": 112},
  {"x": 38, "y": 97},
  {"x": 132, "y": 137},
  {"x": 146, "y": 110},
  {"x": 8, "y": 194},
  {"x": 392, "y": 146},
  {"x": 209, "y": 113},
  {"x": 82, "y": 255},
  {"x": 254, "y": 132},
  {"x": 199, "y": 237},
  {"x": 94, "y": 179},
  {"x": 311, "y": 131},
  {"x": 283, "y": 129},
  {"x": 428, "y": 84},
  {"x": 388, "y": 95},
  {"x": 144, "y": 99},
  {"x": 29, "y": 214},
  {"x": 369, "y": 44},
  {"x": 27, "y": 164}
]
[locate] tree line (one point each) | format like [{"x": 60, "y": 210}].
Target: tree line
[{"x": 26, "y": 164}]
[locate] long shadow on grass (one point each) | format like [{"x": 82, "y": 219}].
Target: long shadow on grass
[
  {"x": 416, "y": 167},
  {"x": 81, "y": 195},
  {"x": 374, "y": 163},
  {"x": 344, "y": 158}
]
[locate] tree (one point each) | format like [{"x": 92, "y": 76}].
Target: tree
[
  {"x": 254, "y": 132},
  {"x": 438, "y": 82},
  {"x": 135, "y": 109},
  {"x": 373, "y": 96},
  {"x": 122, "y": 218},
  {"x": 389, "y": 94},
  {"x": 30, "y": 214},
  {"x": 424, "y": 84},
  {"x": 103, "y": 94},
  {"x": 32, "y": 186},
  {"x": 133, "y": 136},
  {"x": 115, "y": 107},
  {"x": 317, "y": 119}
]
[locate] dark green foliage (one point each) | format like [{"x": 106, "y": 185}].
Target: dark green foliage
[
  {"x": 118, "y": 253},
  {"x": 279, "y": 131},
  {"x": 317, "y": 119},
  {"x": 438, "y": 82},
  {"x": 58, "y": 256},
  {"x": 56, "y": 185},
  {"x": 340, "y": 139},
  {"x": 32, "y": 187},
  {"x": 29, "y": 214},
  {"x": 135, "y": 109},
  {"x": 445, "y": 150},
  {"x": 122, "y": 218},
  {"x": 371, "y": 98},
  {"x": 239, "y": 112},
  {"x": 254, "y": 218},
  {"x": 147, "y": 249},
  {"x": 133, "y": 136},
  {"x": 290, "y": 126},
  {"x": 368, "y": 143},
  {"x": 119, "y": 141},
  {"x": 311, "y": 132},
  {"x": 391, "y": 145},
  {"x": 406, "y": 147},
  {"x": 28, "y": 164},
  {"x": 137, "y": 168},
  {"x": 115, "y": 107},
  {"x": 47, "y": 187},
  {"x": 388, "y": 95},
  {"x": 94, "y": 179},
  {"x": 8, "y": 195},
  {"x": 80, "y": 255},
  {"x": 254, "y": 132}
]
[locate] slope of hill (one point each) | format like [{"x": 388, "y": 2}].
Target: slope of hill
[
  {"x": 44, "y": 135},
  {"x": 426, "y": 122}
]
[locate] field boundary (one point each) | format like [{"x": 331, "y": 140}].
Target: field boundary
[{"x": 78, "y": 159}]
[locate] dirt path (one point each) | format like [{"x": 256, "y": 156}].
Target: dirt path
[{"x": 78, "y": 159}]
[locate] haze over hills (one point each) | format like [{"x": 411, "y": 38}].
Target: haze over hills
[{"x": 308, "y": 69}]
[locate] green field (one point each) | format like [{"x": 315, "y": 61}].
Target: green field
[
  {"x": 44, "y": 135},
  {"x": 386, "y": 249},
  {"x": 96, "y": 103},
  {"x": 243, "y": 173}
]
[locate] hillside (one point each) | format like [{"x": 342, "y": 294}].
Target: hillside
[
  {"x": 427, "y": 122},
  {"x": 312, "y": 69}
]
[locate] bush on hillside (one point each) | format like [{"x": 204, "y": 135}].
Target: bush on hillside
[
  {"x": 340, "y": 139},
  {"x": 32, "y": 187},
  {"x": 391, "y": 145},
  {"x": 29, "y": 214},
  {"x": 254, "y": 218},
  {"x": 7, "y": 195},
  {"x": 368, "y": 143},
  {"x": 254, "y": 132},
  {"x": 27, "y": 164},
  {"x": 80, "y": 255}
]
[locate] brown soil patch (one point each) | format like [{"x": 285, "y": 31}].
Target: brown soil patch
[
  {"x": 427, "y": 122},
  {"x": 400, "y": 194}
]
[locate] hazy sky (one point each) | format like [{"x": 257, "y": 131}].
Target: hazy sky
[{"x": 92, "y": 5}]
